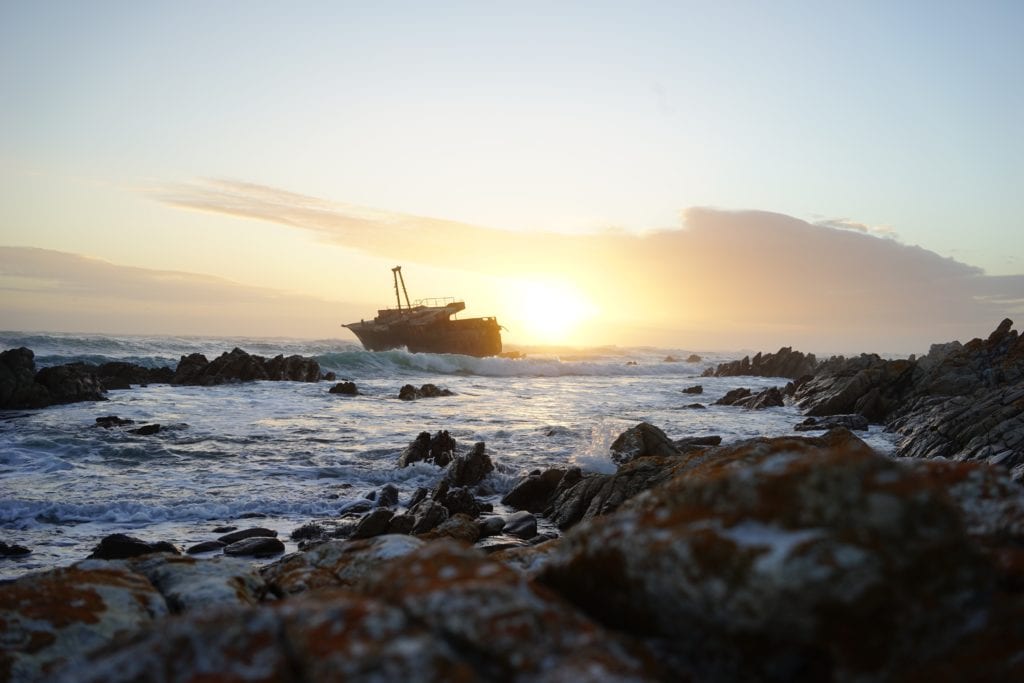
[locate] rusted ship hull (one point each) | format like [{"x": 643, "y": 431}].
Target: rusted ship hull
[{"x": 470, "y": 337}]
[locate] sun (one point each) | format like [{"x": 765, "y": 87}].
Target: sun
[{"x": 546, "y": 311}]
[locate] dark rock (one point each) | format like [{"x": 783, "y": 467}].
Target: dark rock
[
  {"x": 492, "y": 526},
  {"x": 388, "y": 496},
  {"x": 427, "y": 515},
  {"x": 693, "y": 358},
  {"x": 345, "y": 388},
  {"x": 254, "y": 532},
  {"x": 71, "y": 383},
  {"x": 534, "y": 492},
  {"x": 256, "y": 546},
  {"x": 437, "y": 449},
  {"x": 329, "y": 377},
  {"x": 122, "y": 375},
  {"x": 825, "y": 423},
  {"x": 411, "y": 393},
  {"x": 121, "y": 546},
  {"x": 240, "y": 366},
  {"x": 146, "y": 430},
  {"x": 18, "y": 386},
  {"x": 670, "y": 359},
  {"x": 469, "y": 469},
  {"x": 418, "y": 496},
  {"x": 695, "y": 406},
  {"x": 642, "y": 441},
  {"x": 521, "y": 524},
  {"x": 311, "y": 530},
  {"x": 13, "y": 550},
  {"x": 784, "y": 363},
  {"x": 224, "y": 529},
  {"x": 459, "y": 526},
  {"x": 205, "y": 547},
  {"x": 401, "y": 524},
  {"x": 374, "y": 524},
  {"x": 695, "y": 443},
  {"x": 253, "y": 515},
  {"x": 113, "y": 421},
  {"x": 769, "y": 398},
  {"x": 695, "y": 389},
  {"x": 457, "y": 500},
  {"x": 733, "y": 396}
]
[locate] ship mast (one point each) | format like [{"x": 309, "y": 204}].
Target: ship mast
[{"x": 396, "y": 274}]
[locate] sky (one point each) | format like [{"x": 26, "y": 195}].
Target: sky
[{"x": 838, "y": 177}]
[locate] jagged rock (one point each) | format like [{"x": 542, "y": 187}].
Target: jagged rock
[
  {"x": 257, "y": 546},
  {"x": 401, "y": 524},
  {"x": 769, "y": 398},
  {"x": 344, "y": 388},
  {"x": 534, "y": 492},
  {"x": 867, "y": 385},
  {"x": 240, "y": 366},
  {"x": 457, "y": 500},
  {"x": 242, "y": 534},
  {"x": 13, "y": 550},
  {"x": 784, "y": 363},
  {"x": 120, "y": 546},
  {"x": 122, "y": 375},
  {"x": 694, "y": 443},
  {"x": 191, "y": 585},
  {"x": 61, "y": 615},
  {"x": 18, "y": 386},
  {"x": 642, "y": 441},
  {"x": 521, "y": 524},
  {"x": 812, "y": 424},
  {"x": 734, "y": 396},
  {"x": 388, "y": 496},
  {"x": 411, "y": 393},
  {"x": 437, "y": 449},
  {"x": 146, "y": 430},
  {"x": 71, "y": 383},
  {"x": 762, "y": 559},
  {"x": 695, "y": 389},
  {"x": 469, "y": 469},
  {"x": 113, "y": 421},
  {"x": 458, "y": 526},
  {"x": 427, "y": 515},
  {"x": 374, "y": 524}
]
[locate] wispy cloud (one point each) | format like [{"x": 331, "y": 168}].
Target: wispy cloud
[
  {"x": 847, "y": 224},
  {"x": 748, "y": 274}
]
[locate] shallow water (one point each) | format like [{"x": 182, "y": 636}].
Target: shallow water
[{"x": 291, "y": 452}]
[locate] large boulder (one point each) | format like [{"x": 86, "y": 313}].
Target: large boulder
[
  {"x": 18, "y": 386},
  {"x": 191, "y": 585},
  {"x": 121, "y": 546},
  {"x": 59, "y": 616},
  {"x": 469, "y": 469},
  {"x": 71, "y": 383},
  {"x": 534, "y": 492},
  {"x": 642, "y": 441},
  {"x": 784, "y": 559}
]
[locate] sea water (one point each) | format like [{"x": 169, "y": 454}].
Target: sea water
[{"x": 281, "y": 454}]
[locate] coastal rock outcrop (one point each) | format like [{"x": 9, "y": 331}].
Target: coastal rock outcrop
[
  {"x": 410, "y": 393},
  {"x": 21, "y": 386},
  {"x": 642, "y": 441},
  {"x": 783, "y": 363},
  {"x": 437, "y": 449},
  {"x": 239, "y": 366}
]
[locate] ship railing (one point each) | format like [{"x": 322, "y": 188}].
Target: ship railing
[{"x": 436, "y": 301}]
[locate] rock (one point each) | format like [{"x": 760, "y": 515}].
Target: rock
[
  {"x": 191, "y": 585},
  {"x": 521, "y": 524},
  {"x": 469, "y": 469},
  {"x": 695, "y": 406},
  {"x": 18, "y": 386},
  {"x": 670, "y": 359},
  {"x": 388, "y": 496},
  {"x": 457, "y": 500},
  {"x": 642, "y": 441},
  {"x": 13, "y": 550},
  {"x": 458, "y": 526},
  {"x": 534, "y": 492},
  {"x": 769, "y": 398},
  {"x": 240, "y": 366},
  {"x": 122, "y": 375},
  {"x": 345, "y": 388},
  {"x": 867, "y": 385},
  {"x": 427, "y": 515},
  {"x": 695, "y": 443},
  {"x": 492, "y": 526},
  {"x": 437, "y": 449},
  {"x": 693, "y": 358},
  {"x": 810, "y": 424},
  {"x": 401, "y": 524},
  {"x": 113, "y": 421},
  {"x": 411, "y": 393},
  {"x": 784, "y": 363},
  {"x": 257, "y": 546},
  {"x": 146, "y": 430},
  {"x": 764, "y": 558},
  {"x": 335, "y": 563},
  {"x": 242, "y": 534},
  {"x": 60, "y": 615},
  {"x": 374, "y": 524},
  {"x": 71, "y": 383},
  {"x": 121, "y": 546},
  {"x": 695, "y": 389},
  {"x": 205, "y": 547},
  {"x": 733, "y": 396},
  {"x": 310, "y": 530}
]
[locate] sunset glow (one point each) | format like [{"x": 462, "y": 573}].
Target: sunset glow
[{"x": 547, "y": 311}]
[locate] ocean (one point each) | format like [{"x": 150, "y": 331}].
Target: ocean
[{"x": 282, "y": 454}]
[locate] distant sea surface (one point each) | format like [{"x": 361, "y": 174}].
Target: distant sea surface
[{"x": 293, "y": 453}]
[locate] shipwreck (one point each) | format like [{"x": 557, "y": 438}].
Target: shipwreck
[{"x": 427, "y": 326}]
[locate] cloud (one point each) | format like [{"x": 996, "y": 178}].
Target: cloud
[
  {"x": 724, "y": 278},
  {"x": 847, "y": 224},
  {"x": 41, "y": 289}
]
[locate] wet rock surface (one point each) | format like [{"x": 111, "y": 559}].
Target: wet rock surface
[
  {"x": 783, "y": 363},
  {"x": 410, "y": 393},
  {"x": 239, "y": 366}
]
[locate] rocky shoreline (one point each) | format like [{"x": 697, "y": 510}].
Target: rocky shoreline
[{"x": 789, "y": 558}]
